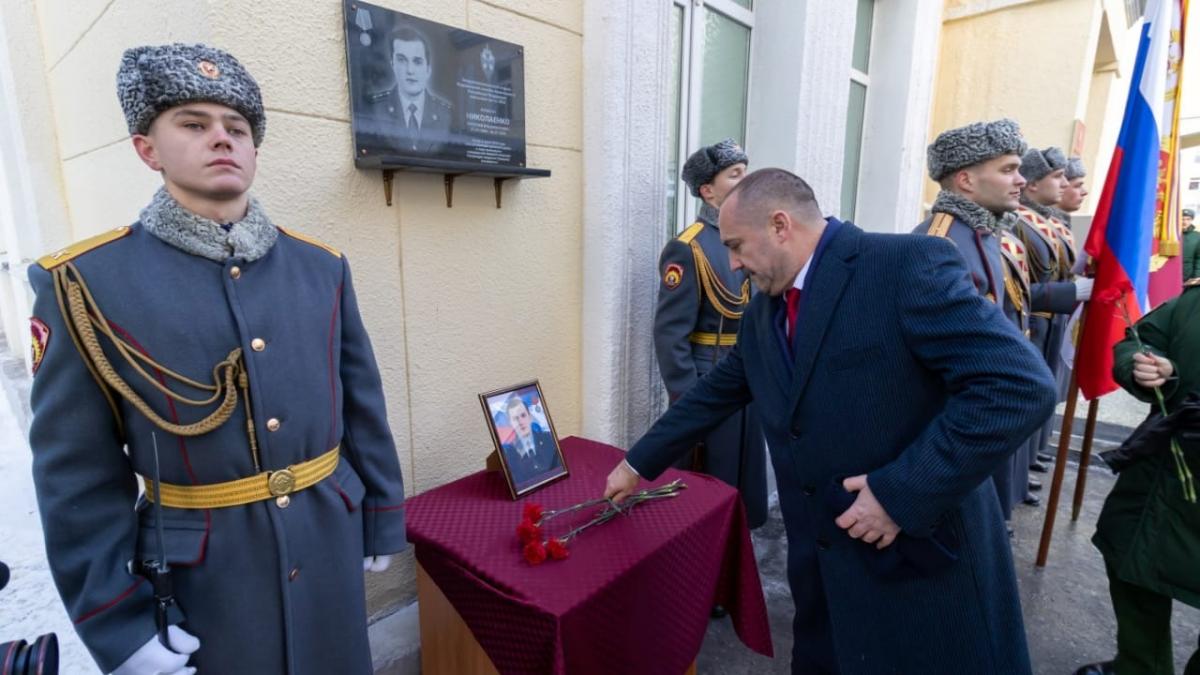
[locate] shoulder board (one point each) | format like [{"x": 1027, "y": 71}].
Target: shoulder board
[
  {"x": 77, "y": 249},
  {"x": 313, "y": 241},
  {"x": 690, "y": 233},
  {"x": 940, "y": 225},
  {"x": 436, "y": 98},
  {"x": 1028, "y": 214}
]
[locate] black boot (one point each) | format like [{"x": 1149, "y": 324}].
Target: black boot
[
  {"x": 1034, "y": 485},
  {"x": 1038, "y": 467},
  {"x": 1044, "y": 457}
]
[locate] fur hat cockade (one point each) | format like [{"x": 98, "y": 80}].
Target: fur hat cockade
[
  {"x": 153, "y": 78},
  {"x": 704, "y": 164},
  {"x": 1036, "y": 164},
  {"x": 967, "y": 146}
]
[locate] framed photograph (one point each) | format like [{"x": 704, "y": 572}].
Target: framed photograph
[{"x": 524, "y": 436}]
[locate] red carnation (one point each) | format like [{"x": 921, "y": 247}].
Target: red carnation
[
  {"x": 557, "y": 548},
  {"x": 528, "y": 532},
  {"x": 532, "y": 512},
  {"x": 534, "y": 552}
]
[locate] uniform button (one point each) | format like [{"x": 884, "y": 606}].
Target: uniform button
[
  {"x": 235, "y": 272},
  {"x": 294, "y": 574},
  {"x": 823, "y": 544},
  {"x": 283, "y": 501},
  {"x": 808, "y": 490},
  {"x": 258, "y": 344},
  {"x": 272, "y": 424}
]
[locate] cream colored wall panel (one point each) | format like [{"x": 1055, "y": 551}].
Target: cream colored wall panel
[
  {"x": 299, "y": 57},
  {"x": 83, "y": 86},
  {"x": 492, "y": 298},
  {"x": 566, "y": 14},
  {"x": 306, "y": 182},
  {"x": 107, "y": 188},
  {"x": 64, "y": 22},
  {"x": 553, "y": 68}
]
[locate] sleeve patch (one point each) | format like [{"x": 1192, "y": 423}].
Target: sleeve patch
[
  {"x": 41, "y": 338},
  {"x": 673, "y": 276}
]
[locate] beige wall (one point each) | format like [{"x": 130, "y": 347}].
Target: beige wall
[
  {"x": 458, "y": 300},
  {"x": 1031, "y": 61}
]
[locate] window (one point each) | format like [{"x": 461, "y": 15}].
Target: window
[
  {"x": 860, "y": 62},
  {"x": 709, "y": 81}
]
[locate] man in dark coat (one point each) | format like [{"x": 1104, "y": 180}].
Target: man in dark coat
[
  {"x": 1191, "y": 246},
  {"x": 532, "y": 452},
  {"x": 887, "y": 383},
  {"x": 1149, "y": 534},
  {"x": 221, "y": 362},
  {"x": 700, "y": 305}
]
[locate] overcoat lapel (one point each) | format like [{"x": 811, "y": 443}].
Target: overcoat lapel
[{"x": 828, "y": 283}]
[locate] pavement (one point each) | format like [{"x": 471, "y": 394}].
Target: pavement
[{"x": 1068, "y": 617}]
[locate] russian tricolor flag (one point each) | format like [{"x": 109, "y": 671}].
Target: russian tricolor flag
[{"x": 1121, "y": 239}]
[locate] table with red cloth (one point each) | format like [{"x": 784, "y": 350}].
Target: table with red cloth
[{"x": 635, "y": 593}]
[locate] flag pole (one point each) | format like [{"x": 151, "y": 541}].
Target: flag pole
[
  {"x": 1085, "y": 456},
  {"x": 1064, "y": 447}
]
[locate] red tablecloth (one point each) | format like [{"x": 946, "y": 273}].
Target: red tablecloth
[{"x": 635, "y": 594}]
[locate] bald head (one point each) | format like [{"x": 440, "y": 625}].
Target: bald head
[
  {"x": 771, "y": 189},
  {"x": 771, "y": 223}
]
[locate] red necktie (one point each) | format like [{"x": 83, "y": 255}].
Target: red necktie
[{"x": 793, "y": 309}]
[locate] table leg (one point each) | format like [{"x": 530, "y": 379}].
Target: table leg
[{"x": 447, "y": 645}]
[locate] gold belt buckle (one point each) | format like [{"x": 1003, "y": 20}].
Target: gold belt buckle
[{"x": 282, "y": 482}]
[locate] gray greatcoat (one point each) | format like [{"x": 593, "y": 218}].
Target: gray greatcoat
[{"x": 266, "y": 588}]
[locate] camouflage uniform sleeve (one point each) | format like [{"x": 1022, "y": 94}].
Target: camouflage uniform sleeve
[
  {"x": 86, "y": 492},
  {"x": 675, "y": 317},
  {"x": 1154, "y": 329},
  {"x": 1056, "y": 297},
  {"x": 366, "y": 437}
]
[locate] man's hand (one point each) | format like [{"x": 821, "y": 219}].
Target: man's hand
[
  {"x": 866, "y": 519},
  {"x": 377, "y": 563},
  {"x": 154, "y": 659},
  {"x": 1150, "y": 370},
  {"x": 621, "y": 482}
]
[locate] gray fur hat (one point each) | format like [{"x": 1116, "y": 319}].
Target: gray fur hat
[
  {"x": 967, "y": 146},
  {"x": 1075, "y": 168},
  {"x": 1035, "y": 164},
  {"x": 704, "y": 164},
  {"x": 153, "y": 78}
]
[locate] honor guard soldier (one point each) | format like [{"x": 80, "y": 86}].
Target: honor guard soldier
[
  {"x": 221, "y": 362},
  {"x": 1051, "y": 254},
  {"x": 700, "y": 305},
  {"x": 1191, "y": 246},
  {"x": 976, "y": 166},
  {"x": 1073, "y": 194}
]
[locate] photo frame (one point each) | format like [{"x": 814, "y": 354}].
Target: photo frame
[{"x": 526, "y": 443}]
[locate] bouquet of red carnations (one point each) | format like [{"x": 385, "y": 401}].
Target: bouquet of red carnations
[{"x": 536, "y": 547}]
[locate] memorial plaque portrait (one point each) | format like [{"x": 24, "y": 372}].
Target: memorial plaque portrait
[
  {"x": 524, "y": 435},
  {"x": 422, "y": 90}
]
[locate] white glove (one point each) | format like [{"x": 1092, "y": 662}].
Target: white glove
[
  {"x": 377, "y": 563},
  {"x": 1083, "y": 289},
  {"x": 154, "y": 659}
]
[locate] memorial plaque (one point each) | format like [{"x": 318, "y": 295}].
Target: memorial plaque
[{"x": 431, "y": 96}]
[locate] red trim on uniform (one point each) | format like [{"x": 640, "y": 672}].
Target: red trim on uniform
[
  {"x": 110, "y": 603},
  {"x": 385, "y": 508},
  {"x": 345, "y": 497},
  {"x": 337, "y": 301},
  {"x": 187, "y": 463}
]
